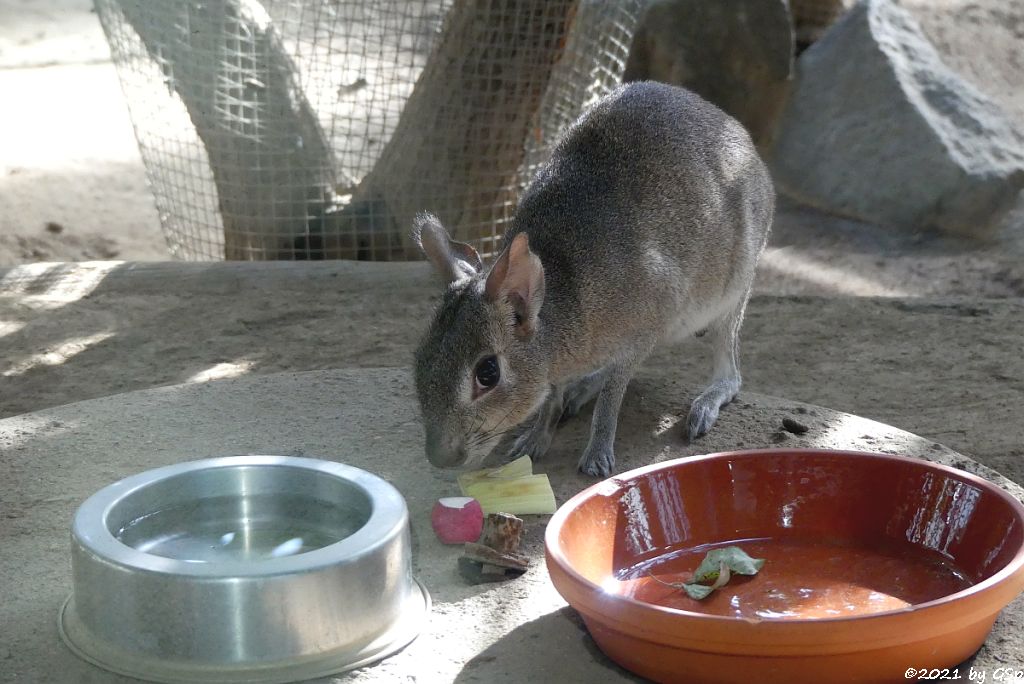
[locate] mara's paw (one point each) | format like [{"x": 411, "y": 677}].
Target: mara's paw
[
  {"x": 597, "y": 462},
  {"x": 704, "y": 409},
  {"x": 703, "y": 414}
]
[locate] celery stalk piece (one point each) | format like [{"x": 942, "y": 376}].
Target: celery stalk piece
[
  {"x": 520, "y": 467},
  {"x": 527, "y": 495}
]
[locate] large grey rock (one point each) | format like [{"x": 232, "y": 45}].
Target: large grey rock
[
  {"x": 880, "y": 128},
  {"x": 737, "y": 54},
  {"x": 983, "y": 41}
]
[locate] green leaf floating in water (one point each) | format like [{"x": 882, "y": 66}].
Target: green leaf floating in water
[
  {"x": 717, "y": 567},
  {"x": 735, "y": 558}
]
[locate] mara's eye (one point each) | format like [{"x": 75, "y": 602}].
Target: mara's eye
[{"x": 487, "y": 372}]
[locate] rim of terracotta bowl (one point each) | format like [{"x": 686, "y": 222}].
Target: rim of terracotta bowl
[{"x": 555, "y": 554}]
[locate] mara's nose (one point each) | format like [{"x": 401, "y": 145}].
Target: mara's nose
[{"x": 444, "y": 453}]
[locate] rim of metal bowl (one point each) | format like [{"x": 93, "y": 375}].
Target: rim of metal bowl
[{"x": 388, "y": 515}]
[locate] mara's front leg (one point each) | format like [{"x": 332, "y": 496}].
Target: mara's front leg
[{"x": 599, "y": 457}]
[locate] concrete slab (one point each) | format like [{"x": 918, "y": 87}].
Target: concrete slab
[{"x": 516, "y": 632}]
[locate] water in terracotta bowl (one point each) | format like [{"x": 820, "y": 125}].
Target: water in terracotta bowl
[{"x": 873, "y": 564}]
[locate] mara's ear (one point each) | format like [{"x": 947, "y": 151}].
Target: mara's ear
[
  {"x": 518, "y": 276},
  {"x": 453, "y": 260}
]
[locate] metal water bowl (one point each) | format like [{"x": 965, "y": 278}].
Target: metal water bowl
[{"x": 250, "y": 568}]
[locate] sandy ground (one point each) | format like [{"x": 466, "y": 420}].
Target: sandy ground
[{"x": 72, "y": 185}]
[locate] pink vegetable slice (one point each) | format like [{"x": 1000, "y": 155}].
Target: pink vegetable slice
[{"x": 457, "y": 519}]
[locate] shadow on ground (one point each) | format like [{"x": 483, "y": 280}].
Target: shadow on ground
[{"x": 545, "y": 640}]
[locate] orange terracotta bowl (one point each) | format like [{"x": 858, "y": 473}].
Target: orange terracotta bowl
[{"x": 874, "y": 564}]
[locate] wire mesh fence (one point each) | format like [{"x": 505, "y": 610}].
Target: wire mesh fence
[{"x": 306, "y": 129}]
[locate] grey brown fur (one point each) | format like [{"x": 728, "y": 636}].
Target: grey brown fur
[{"x": 645, "y": 226}]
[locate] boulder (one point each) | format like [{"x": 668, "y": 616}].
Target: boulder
[
  {"x": 983, "y": 41},
  {"x": 880, "y": 128},
  {"x": 737, "y": 54}
]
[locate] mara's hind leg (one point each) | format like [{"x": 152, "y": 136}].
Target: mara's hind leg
[
  {"x": 724, "y": 337},
  {"x": 559, "y": 406},
  {"x": 540, "y": 430},
  {"x": 579, "y": 393}
]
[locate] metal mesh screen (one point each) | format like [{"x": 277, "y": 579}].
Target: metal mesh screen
[{"x": 303, "y": 129}]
